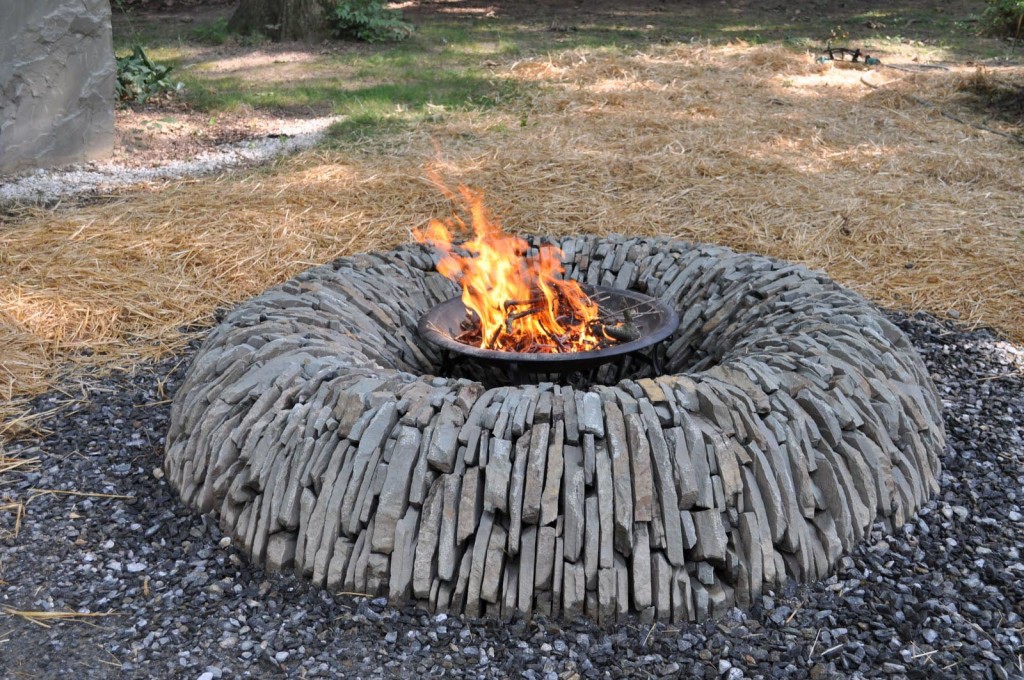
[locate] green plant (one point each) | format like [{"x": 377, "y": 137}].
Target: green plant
[
  {"x": 368, "y": 20},
  {"x": 1005, "y": 17},
  {"x": 216, "y": 33},
  {"x": 139, "y": 78}
]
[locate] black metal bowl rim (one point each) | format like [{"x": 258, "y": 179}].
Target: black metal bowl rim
[{"x": 667, "y": 326}]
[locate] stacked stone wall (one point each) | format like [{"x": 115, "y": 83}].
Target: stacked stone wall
[{"x": 790, "y": 417}]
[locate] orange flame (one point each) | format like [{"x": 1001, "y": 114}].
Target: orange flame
[{"x": 521, "y": 304}]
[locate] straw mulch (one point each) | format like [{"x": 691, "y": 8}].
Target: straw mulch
[{"x": 755, "y": 148}]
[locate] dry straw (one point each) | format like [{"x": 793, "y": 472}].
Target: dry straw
[
  {"x": 46, "y": 619},
  {"x": 759, "y": 149}
]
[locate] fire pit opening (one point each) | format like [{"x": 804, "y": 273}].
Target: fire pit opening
[
  {"x": 632, "y": 324},
  {"x": 519, "y": 315}
]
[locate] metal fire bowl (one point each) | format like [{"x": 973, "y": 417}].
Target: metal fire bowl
[{"x": 654, "y": 319}]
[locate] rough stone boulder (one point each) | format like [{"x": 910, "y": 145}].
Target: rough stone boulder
[{"x": 57, "y": 75}]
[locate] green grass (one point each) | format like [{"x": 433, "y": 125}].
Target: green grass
[
  {"x": 448, "y": 62},
  {"x": 412, "y": 92}
]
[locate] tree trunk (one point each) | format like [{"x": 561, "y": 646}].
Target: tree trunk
[{"x": 282, "y": 19}]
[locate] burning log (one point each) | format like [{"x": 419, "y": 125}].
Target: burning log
[
  {"x": 521, "y": 302},
  {"x": 626, "y": 331},
  {"x": 608, "y": 328}
]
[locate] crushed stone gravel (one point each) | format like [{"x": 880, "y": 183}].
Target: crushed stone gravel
[
  {"x": 940, "y": 598},
  {"x": 45, "y": 186}
]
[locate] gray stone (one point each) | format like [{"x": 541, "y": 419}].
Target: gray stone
[
  {"x": 377, "y": 572},
  {"x": 447, "y": 553},
  {"x": 641, "y": 571},
  {"x": 835, "y": 502},
  {"x": 573, "y": 590},
  {"x": 425, "y": 566},
  {"x": 369, "y": 451},
  {"x": 720, "y": 597},
  {"x": 58, "y": 74},
  {"x": 860, "y": 514},
  {"x": 339, "y": 564},
  {"x": 829, "y": 538},
  {"x": 497, "y": 475},
  {"x": 545, "y": 564},
  {"x": 749, "y": 589},
  {"x": 394, "y": 495},
  {"x": 404, "y": 556},
  {"x": 468, "y": 397},
  {"x": 534, "y": 480},
  {"x": 801, "y": 477},
  {"x": 470, "y": 504},
  {"x": 482, "y": 458},
  {"x": 495, "y": 560},
  {"x": 591, "y": 417},
  {"x": 573, "y": 500},
  {"x": 589, "y": 459},
  {"x": 307, "y": 505},
  {"x": 527, "y": 565},
  {"x": 605, "y": 506},
  {"x": 280, "y": 551},
  {"x": 714, "y": 408},
  {"x": 510, "y": 588},
  {"x": 769, "y": 490},
  {"x": 422, "y": 475},
  {"x": 755, "y": 504},
  {"x": 481, "y": 542},
  {"x": 558, "y": 578},
  {"x": 661, "y": 585},
  {"x": 701, "y": 601},
  {"x": 689, "y": 529},
  {"x": 823, "y": 414},
  {"x": 592, "y": 554},
  {"x": 526, "y": 405},
  {"x": 458, "y": 601},
  {"x": 444, "y": 444},
  {"x": 542, "y": 409},
  {"x": 517, "y": 485},
  {"x": 621, "y": 478},
  {"x": 699, "y": 485},
  {"x": 323, "y": 527},
  {"x": 470, "y": 436},
  {"x": 724, "y": 448},
  {"x": 607, "y": 587},
  {"x": 706, "y": 573},
  {"x": 682, "y": 597},
  {"x": 622, "y": 586},
  {"x": 640, "y": 468},
  {"x": 553, "y": 475},
  {"x": 711, "y": 536},
  {"x": 881, "y": 469},
  {"x": 664, "y": 480},
  {"x": 572, "y": 425},
  {"x": 355, "y": 574}
]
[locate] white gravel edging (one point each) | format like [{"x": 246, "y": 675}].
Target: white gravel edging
[{"x": 47, "y": 185}]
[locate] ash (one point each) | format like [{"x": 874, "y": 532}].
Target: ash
[{"x": 942, "y": 597}]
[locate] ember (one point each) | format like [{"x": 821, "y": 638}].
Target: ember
[{"x": 518, "y": 302}]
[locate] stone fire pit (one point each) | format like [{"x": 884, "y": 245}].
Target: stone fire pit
[{"x": 790, "y": 416}]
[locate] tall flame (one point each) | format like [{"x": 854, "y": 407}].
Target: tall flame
[{"x": 520, "y": 301}]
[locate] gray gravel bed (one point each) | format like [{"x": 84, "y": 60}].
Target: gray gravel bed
[{"x": 942, "y": 597}]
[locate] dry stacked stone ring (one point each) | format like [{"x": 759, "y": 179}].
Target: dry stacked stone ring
[{"x": 790, "y": 415}]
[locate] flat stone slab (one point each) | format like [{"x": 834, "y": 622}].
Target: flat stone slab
[{"x": 790, "y": 416}]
